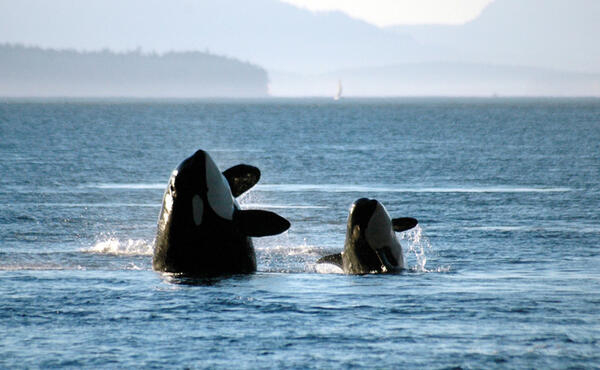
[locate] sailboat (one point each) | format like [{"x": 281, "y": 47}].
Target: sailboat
[{"x": 338, "y": 95}]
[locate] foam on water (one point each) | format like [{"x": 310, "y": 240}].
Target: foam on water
[
  {"x": 328, "y": 268},
  {"x": 385, "y": 188},
  {"x": 114, "y": 246}
]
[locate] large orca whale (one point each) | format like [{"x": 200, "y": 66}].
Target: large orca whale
[
  {"x": 371, "y": 245},
  {"x": 201, "y": 228}
]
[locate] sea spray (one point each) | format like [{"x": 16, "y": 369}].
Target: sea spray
[
  {"x": 114, "y": 246},
  {"x": 418, "y": 245}
]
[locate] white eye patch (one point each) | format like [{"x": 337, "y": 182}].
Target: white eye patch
[
  {"x": 218, "y": 192},
  {"x": 197, "y": 209}
]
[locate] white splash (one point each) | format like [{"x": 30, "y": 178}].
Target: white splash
[
  {"x": 117, "y": 247},
  {"x": 418, "y": 245},
  {"x": 328, "y": 268}
]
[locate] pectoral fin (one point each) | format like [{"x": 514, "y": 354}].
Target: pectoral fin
[
  {"x": 241, "y": 178},
  {"x": 260, "y": 223},
  {"x": 404, "y": 223},
  {"x": 334, "y": 259}
]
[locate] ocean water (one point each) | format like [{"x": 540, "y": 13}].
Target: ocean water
[{"x": 504, "y": 267}]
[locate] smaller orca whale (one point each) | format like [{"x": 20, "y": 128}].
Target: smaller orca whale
[
  {"x": 201, "y": 228},
  {"x": 371, "y": 245}
]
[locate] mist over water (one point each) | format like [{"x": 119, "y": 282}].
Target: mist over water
[
  {"x": 236, "y": 48},
  {"x": 502, "y": 270}
]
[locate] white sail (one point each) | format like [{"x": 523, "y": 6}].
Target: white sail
[{"x": 338, "y": 95}]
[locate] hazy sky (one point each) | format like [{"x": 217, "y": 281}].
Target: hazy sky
[{"x": 392, "y": 12}]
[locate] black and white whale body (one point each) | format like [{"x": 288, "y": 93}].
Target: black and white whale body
[
  {"x": 371, "y": 245},
  {"x": 201, "y": 228}
]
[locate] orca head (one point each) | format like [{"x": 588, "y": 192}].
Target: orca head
[
  {"x": 199, "y": 182},
  {"x": 201, "y": 227},
  {"x": 199, "y": 189},
  {"x": 372, "y": 222}
]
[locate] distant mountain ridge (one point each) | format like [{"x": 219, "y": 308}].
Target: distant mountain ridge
[
  {"x": 559, "y": 34},
  {"x": 269, "y": 33},
  {"x": 546, "y": 47},
  {"x": 31, "y": 71},
  {"x": 556, "y": 34}
]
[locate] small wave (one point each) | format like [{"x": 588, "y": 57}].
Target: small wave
[
  {"x": 569, "y": 229},
  {"x": 282, "y": 206},
  {"x": 496, "y": 228},
  {"x": 40, "y": 261},
  {"x": 438, "y": 269},
  {"x": 133, "y": 267},
  {"x": 131, "y": 186},
  {"x": 97, "y": 205},
  {"x": 339, "y": 188},
  {"x": 38, "y": 267},
  {"x": 236, "y": 150},
  {"x": 117, "y": 247},
  {"x": 286, "y": 258},
  {"x": 294, "y": 250}
]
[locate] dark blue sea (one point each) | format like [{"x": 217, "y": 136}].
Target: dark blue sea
[{"x": 504, "y": 267}]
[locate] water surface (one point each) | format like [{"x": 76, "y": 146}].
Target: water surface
[{"x": 504, "y": 267}]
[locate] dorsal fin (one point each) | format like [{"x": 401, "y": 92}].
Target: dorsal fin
[
  {"x": 260, "y": 223},
  {"x": 241, "y": 178},
  {"x": 334, "y": 259},
  {"x": 404, "y": 223}
]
